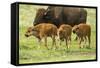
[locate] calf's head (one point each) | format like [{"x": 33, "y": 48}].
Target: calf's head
[
  {"x": 61, "y": 35},
  {"x": 32, "y": 31},
  {"x": 75, "y": 29}
]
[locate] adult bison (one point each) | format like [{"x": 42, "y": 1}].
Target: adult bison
[{"x": 61, "y": 15}]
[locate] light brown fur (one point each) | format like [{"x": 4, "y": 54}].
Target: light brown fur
[
  {"x": 83, "y": 31},
  {"x": 44, "y": 30},
  {"x": 64, "y": 33}
]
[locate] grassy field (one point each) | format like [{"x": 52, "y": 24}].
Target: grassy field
[{"x": 30, "y": 51}]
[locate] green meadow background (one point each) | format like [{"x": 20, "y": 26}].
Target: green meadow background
[{"x": 31, "y": 51}]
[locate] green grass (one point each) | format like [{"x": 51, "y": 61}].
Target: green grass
[{"x": 31, "y": 51}]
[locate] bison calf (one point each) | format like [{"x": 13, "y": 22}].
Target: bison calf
[
  {"x": 83, "y": 32},
  {"x": 43, "y": 30},
  {"x": 64, "y": 33}
]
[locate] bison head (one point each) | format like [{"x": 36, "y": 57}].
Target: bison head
[
  {"x": 53, "y": 12},
  {"x": 75, "y": 29},
  {"x": 31, "y": 31},
  {"x": 39, "y": 16},
  {"x": 61, "y": 34}
]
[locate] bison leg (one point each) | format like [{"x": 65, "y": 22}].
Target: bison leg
[
  {"x": 69, "y": 39},
  {"x": 46, "y": 42},
  {"x": 40, "y": 42},
  {"x": 80, "y": 40},
  {"x": 85, "y": 40},
  {"x": 53, "y": 41},
  {"x": 66, "y": 42},
  {"x": 89, "y": 41}
]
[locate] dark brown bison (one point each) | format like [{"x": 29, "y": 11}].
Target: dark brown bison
[
  {"x": 43, "y": 30},
  {"x": 83, "y": 32},
  {"x": 64, "y": 33},
  {"x": 61, "y": 15}
]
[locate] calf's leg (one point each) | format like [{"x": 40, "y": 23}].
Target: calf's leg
[
  {"x": 66, "y": 43},
  {"x": 89, "y": 39},
  {"x": 46, "y": 42},
  {"x": 80, "y": 40},
  {"x": 53, "y": 41}
]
